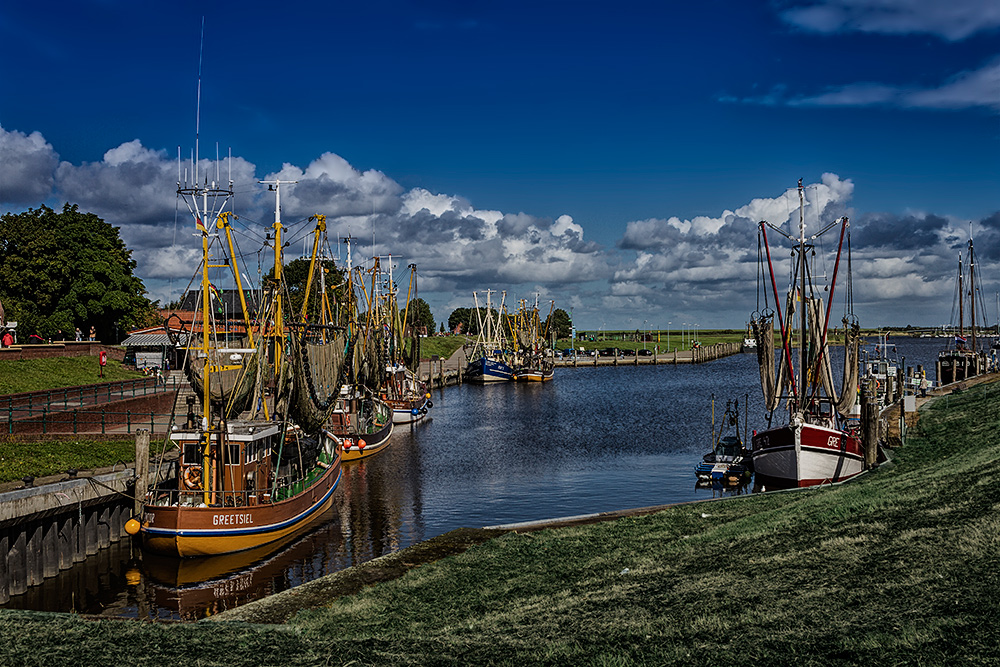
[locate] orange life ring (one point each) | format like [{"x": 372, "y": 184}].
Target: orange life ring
[{"x": 192, "y": 477}]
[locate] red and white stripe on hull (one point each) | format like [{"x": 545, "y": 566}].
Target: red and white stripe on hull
[{"x": 801, "y": 454}]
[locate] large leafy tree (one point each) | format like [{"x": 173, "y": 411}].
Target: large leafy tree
[
  {"x": 561, "y": 323},
  {"x": 420, "y": 314},
  {"x": 296, "y": 276},
  {"x": 59, "y": 271}
]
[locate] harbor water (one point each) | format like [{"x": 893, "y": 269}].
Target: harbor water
[{"x": 592, "y": 440}]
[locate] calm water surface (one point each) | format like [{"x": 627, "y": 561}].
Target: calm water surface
[{"x": 592, "y": 440}]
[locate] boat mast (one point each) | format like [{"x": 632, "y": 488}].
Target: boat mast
[
  {"x": 972, "y": 293},
  {"x": 277, "y": 333},
  {"x": 802, "y": 297},
  {"x": 961, "y": 301}
]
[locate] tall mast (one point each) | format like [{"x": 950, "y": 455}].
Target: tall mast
[
  {"x": 972, "y": 291},
  {"x": 961, "y": 300},
  {"x": 279, "y": 322},
  {"x": 802, "y": 296}
]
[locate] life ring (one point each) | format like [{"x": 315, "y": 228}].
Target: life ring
[{"x": 192, "y": 477}]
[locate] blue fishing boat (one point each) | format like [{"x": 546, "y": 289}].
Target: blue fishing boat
[{"x": 488, "y": 361}]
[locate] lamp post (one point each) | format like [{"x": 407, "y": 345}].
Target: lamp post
[
  {"x": 645, "y": 326},
  {"x": 668, "y": 335}
]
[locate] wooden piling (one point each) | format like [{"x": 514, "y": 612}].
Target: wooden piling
[
  {"x": 141, "y": 469},
  {"x": 869, "y": 424}
]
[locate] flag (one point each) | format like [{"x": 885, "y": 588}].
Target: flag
[
  {"x": 218, "y": 297},
  {"x": 960, "y": 339},
  {"x": 200, "y": 225}
]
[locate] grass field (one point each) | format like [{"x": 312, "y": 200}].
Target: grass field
[
  {"x": 18, "y": 376},
  {"x": 896, "y": 568},
  {"x": 37, "y": 459}
]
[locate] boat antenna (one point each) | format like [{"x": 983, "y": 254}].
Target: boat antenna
[{"x": 197, "y": 106}]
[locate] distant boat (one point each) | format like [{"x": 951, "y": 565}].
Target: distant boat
[
  {"x": 816, "y": 444},
  {"x": 489, "y": 359},
  {"x": 403, "y": 390},
  {"x": 728, "y": 462},
  {"x": 534, "y": 361},
  {"x": 749, "y": 342},
  {"x": 881, "y": 364},
  {"x": 361, "y": 419},
  {"x": 963, "y": 358}
]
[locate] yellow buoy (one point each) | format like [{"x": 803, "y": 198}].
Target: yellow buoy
[{"x": 132, "y": 526}]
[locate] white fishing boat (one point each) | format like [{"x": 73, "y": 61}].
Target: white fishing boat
[{"x": 816, "y": 443}]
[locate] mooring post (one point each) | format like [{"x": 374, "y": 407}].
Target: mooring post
[
  {"x": 869, "y": 424},
  {"x": 141, "y": 469}
]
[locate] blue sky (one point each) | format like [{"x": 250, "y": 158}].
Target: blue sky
[{"x": 609, "y": 156}]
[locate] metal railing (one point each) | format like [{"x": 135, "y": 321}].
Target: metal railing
[{"x": 82, "y": 395}]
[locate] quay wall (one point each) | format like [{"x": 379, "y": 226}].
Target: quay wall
[
  {"x": 61, "y": 349},
  {"x": 50, "y": 528},
  {"x": 439, "y": 373}
]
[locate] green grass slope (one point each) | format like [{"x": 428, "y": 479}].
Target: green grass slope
[
  {"x": 21, "y": 375},
  {"x": 896, "y": 568}
]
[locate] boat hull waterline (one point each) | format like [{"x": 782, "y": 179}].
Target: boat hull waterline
[
  {"x": 484, "y": 371},
  {"x": 209, "y": 531},
  {"x": 806, "y": 455},
  {"x": 408, "y": 411}
]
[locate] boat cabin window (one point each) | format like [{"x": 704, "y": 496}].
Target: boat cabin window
[
  {"x": 232, "y": 454},
  {"x": 192, "y": 452}
]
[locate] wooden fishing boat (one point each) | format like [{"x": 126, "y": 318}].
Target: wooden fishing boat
[
  {"x": 818, "y": 443},
  {"x": 237, "y": 506},
  {"x": 401, "y": 389},
  {"x": 534, "y": 361},
  {"x": 963, "y": 358},
  {"x": 362, "y": 424},
  {"x": 244, "y": 482}
]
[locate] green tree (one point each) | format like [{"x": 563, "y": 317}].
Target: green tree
[
  {"x": 459, "y": 316},
  {"x": 468, "y": 319},
  {"x": 296, "y": 274},
  {"x": 420, "y": 313},
  {"x": 560, "y": 321},
  {"x": 59, "y": 271}
]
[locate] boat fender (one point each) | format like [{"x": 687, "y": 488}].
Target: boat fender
[
  {"x": 415, "y": 412},
  {"x": 192, "y": 477},
  {"x": 361, "y": 443},
  {"x": 423, "y": 411},
  {"x": 132, "y": 526},
  {"x": 429, "y": 404},
  {"x": 348, "y": 443}
]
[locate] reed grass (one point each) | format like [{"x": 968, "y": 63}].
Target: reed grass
[{"x": 896, "y": 568}]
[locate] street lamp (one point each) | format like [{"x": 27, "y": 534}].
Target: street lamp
[
  {"x": 645, "y": 325},
  {"x": 668, "y": 335}
]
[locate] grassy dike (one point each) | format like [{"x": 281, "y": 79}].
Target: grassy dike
[{"x": 898, "y": 567}]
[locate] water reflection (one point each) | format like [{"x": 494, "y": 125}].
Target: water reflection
[{"x": 593, "y": 440}]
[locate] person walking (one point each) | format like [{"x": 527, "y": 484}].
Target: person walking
[{"x": 923, "y": 386}]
